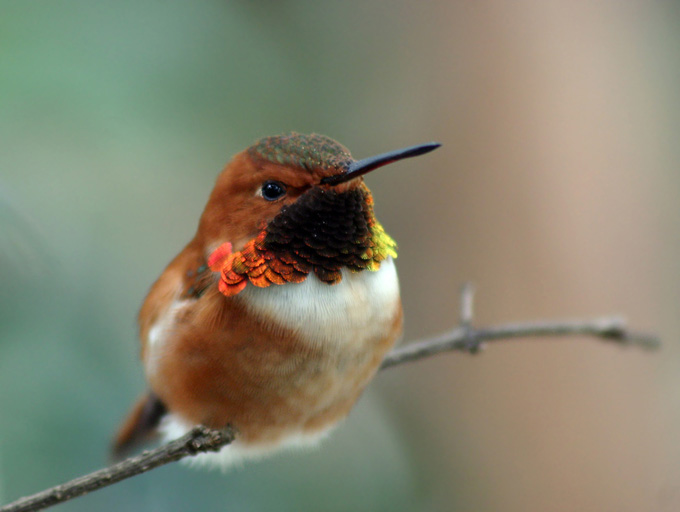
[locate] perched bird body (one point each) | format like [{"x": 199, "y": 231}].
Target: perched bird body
[{"x": 277, "y": 314}]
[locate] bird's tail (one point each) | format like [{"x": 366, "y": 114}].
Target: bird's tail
[{"x": 139, "y": 426}]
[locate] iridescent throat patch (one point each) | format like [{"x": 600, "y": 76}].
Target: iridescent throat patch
[{"x": 323, "y": 232}]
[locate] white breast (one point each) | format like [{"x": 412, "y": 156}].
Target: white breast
[{"x": 357, "y": 308}]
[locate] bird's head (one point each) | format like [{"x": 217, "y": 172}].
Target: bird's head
[{"x": 291, "y": 205}]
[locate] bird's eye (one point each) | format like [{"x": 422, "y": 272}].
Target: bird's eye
[{"x": 272, "y": 190}]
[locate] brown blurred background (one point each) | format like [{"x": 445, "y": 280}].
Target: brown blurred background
[{"x": 556, "y": 193}]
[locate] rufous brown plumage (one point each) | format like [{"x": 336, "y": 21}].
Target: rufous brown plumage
[{"x": 278, "y": 312}]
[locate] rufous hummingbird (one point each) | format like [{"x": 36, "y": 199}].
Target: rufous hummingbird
[{"x": 281, "y": 308}]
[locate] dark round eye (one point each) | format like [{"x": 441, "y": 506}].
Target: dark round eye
[{"x": 272, "y": 190}]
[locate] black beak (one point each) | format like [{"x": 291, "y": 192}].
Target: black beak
[{"x": 366, "y": 165}]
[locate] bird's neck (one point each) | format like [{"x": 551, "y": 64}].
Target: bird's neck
[{"x": 360, "y": 307}]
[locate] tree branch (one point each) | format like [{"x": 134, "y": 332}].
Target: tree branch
[
  {"x": 199, "y": 440},
  {"x": 463, "y": 338}
]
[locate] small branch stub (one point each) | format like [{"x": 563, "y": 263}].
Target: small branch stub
[{"x": 467, "y": 295}]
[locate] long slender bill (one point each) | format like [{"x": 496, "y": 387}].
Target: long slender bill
[{"x": 361, "y": 167}]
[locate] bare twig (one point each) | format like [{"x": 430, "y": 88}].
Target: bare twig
[
  {"x": 198, "y": 440},
  {"x": 464, "y": 338},
  {"x": 469, "y": 340}
]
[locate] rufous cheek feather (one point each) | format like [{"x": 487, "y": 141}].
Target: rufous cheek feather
[{"x": 219, "y": 257}]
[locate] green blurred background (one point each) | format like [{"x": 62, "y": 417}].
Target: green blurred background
[{"x": 556, "y": 192}]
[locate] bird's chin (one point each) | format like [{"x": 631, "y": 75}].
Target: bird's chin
[{"x": 347, "y": 186}]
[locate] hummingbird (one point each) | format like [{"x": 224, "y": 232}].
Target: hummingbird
[{"x": 277, "y": 314}]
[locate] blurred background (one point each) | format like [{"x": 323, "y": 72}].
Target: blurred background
[{"x": 555, "y": 192}]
